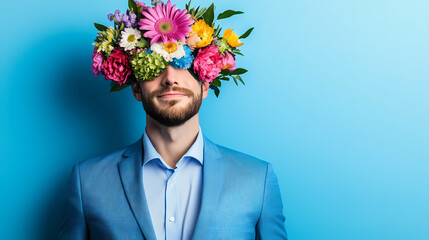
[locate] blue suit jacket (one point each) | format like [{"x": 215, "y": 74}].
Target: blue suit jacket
[{"x": 106, "y": 200}]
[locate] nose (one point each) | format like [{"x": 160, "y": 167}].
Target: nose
[{"x": 170, "y": 78}]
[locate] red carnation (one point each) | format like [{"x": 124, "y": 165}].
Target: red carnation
[{"x": 117, "y": 67}]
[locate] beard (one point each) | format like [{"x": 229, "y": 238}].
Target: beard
[{"x": 171, "y": 116}]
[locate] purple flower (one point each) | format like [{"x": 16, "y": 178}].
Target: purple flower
[
  {"x": 115, "y": 16},
  {"x": 129, "y": 20},
  {"x": 125, "y": 18}
]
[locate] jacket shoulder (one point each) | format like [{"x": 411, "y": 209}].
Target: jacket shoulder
[
  {"x": 103, "y": 161},
  {"x": 242, "y": 160}
]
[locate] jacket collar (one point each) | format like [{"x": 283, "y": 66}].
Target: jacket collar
[{"x": 131, "y": 174}]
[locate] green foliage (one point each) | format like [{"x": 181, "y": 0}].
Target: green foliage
[
  {"x": 106, "y": 40},
  {"x": 228, "y": 13},
  {"x": 237, "y": 71},
  {"x": 191, "y": 71},
  {"x": 142, "y": 43},
  {"x": 133, "y": 6},
  {"x": 199, "y": 14},
  {"x": 209, "y": 15},
  {"x": 247, "y": 33},
  {"x": 196, "y": 13},
  {"x": 216, "y": 90},
  {"x": 100, "y": 27},
  {"x": 116, "y": 87},
  {"x": 216, "y": 82},
  {"x": 217, "y": 31},
  {"x": 237, "y": 51},
  {"x": 147, "y": 66},
  {"x": 188, "y": 5},
  {"x": 223, "y": 45},
  {"x": 239, "y": 79}
]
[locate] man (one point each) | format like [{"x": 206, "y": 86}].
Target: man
[{"x": 173, "y": 183}]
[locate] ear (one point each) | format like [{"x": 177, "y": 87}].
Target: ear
[
  {"x": 137, "y": 91},
  {"x": 206, "y": 86}
]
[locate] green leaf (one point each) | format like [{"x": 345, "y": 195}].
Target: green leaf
[
  {"x": 200, "y": 13},
  {"x": 228, "y": 13},
  {"x": 225, "y": 72},
  {"x": 209, "y": 15},
  {"x": 224, "y": 78},
  {"x": 217, "y": 31},
  {"x": 142, "y": 43},
  {"x": 238, "y": 71},
  {"x": 241, "y": 80},
  {"x": 216, "y": 90},
  {"x": 118, "y": 87},
  {"x": 235, "y": 80},
  {"x": 187, "y": 5},
  {"x": 100, "y": 27},
  {"x": 237, "y": 52},
  {"x": 247, "y": 33},
  {"x": 191, "y": 71},
  {"x": 216, "y": 82},
  {"x": 133, "y": 6}
]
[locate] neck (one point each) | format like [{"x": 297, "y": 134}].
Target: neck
[{"x": 172, "y": 142}]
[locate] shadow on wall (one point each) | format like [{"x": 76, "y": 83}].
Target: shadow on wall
[
  {"x": 48, "y": 214},
  {"x": 79, "y": 118}
]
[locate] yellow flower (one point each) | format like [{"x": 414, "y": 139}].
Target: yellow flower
[
  {"x": 204, "y": 31},
  {"x": 232, "y": 38},
  {"x": 170, "y": 47}
]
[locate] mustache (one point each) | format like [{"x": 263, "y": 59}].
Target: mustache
[{"x": 185, "y": 91}]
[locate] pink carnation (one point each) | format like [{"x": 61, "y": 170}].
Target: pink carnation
[
  {"x": 228, "y": 61},
  {"x": 117, "y": 67},
  {"x": 97, "y": 62},
  {"x": 207, "y": 63}
]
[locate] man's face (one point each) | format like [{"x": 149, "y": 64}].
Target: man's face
[{"x": 171, "y": 98}]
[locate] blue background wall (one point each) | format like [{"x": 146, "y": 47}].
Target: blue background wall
[{"x": 336, "y": 99}]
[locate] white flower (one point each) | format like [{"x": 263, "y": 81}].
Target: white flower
[
  {"x": 129, "y": 38},
  {"x": 169, "y": 50}
]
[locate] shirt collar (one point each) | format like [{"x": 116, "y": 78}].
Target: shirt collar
[{"x": 196, "y": 151}]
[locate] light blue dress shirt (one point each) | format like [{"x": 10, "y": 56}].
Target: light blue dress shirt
[{"x": 173, "y": 194}]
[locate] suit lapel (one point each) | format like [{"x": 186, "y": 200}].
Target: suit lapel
[
  {"x": 131, "y": 172},
  {"x": 213, "y": 180}
]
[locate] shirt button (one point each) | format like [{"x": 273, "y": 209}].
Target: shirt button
[{"x": 171, "y": 219}]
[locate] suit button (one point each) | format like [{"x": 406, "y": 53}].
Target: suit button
[{"x": 171, "y": 219}]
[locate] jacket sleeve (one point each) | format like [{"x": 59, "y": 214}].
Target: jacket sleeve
[
  {"x": 72, "y": 224},
  {"x": 271, "y": 222}
]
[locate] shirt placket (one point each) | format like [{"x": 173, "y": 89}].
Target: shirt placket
[{"x": 172, "y": 222}]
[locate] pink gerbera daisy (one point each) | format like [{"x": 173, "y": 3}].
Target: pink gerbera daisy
[{"x": 165, "y": 22}]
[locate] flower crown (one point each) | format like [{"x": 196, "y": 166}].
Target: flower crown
[{"x": 145, "y": 40}]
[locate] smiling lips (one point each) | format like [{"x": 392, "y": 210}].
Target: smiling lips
[
  {"x": 171, "y": 92},
  {"x": 172, "y": 95}
]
